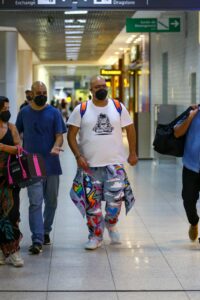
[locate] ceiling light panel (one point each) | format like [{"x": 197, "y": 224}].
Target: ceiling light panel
[{"x": 76, "y": 12}]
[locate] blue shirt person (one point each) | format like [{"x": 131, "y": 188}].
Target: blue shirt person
[
  {"x": 42, "y": 127},
  {"x": 191, "y": 167}
]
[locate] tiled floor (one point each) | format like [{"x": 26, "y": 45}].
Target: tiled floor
[{"x": 155, "y": 261}]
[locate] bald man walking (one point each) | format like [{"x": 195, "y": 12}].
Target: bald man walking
[{"x": 42, "y": 127}]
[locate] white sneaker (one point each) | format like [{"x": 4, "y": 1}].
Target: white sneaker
[
  {"x": 93, "y": 244},
  {"x": 15, "y": 259},
  {"x": 2, "y": 258},
  {"x": 114, "y": 235}
]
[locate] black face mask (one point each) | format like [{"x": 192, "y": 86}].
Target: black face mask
[
  {"x": 29, "y": 98},
  {"x": 40, "y": 100},
  {"x": 5, "y": 116},
  {"x": 101, "y": 94}
]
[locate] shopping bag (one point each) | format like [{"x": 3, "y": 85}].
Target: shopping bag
[
  {"x": 165, "y": 142},
  {"x": 25, "y": 169}
]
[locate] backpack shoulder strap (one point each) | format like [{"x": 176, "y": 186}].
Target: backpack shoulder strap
[
  {"x": 117, "y": 106},
  {"x": 83, "y": 108}
]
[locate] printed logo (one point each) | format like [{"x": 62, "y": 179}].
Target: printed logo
[{"x": 103, "y": 126}]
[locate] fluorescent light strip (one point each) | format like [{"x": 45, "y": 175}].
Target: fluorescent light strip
[
  {"x": 74, "y": 26},
  {"x": 72, "y": 44},
  {"x": 75, "y": 37},
  {"x": 69, "y": 21},
  {"x": 76, "y": 12},
  {"x": 72, "y": 49},
  {"x": 67, "y": 51},
  {"x": 82, "y": 21},
  {"x": 73, "y": 32},
  {"x": 72, "y": 57},
  {"x": 70, "y": 41}
]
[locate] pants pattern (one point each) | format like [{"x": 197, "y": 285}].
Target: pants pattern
[{"x": 103, "y": 183}]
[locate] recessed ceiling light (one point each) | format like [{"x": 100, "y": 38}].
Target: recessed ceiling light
[
  {"x": 76, "y": 12},
  {"x": 83, "y": 21},
  {"x": 74, "y": 26},
  {"x": 73, "y": 32},
  {"x": 69, "y": 20},
  {"x": 76, "y": 37},
  {"x": 73, "y": 48},
  {"x": 72, "y": 43}
]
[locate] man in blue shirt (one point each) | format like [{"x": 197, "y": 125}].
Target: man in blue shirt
[
  {"x": 191, "y": 167},
  {"x": 42, "y": 127}
]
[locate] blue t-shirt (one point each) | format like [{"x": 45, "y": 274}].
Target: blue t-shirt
[
  {"x": 191, "y": 157},
  {"x": 39, "y": 128}
]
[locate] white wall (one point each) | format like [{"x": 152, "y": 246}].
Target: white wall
[{"x": 183, "y": 59}]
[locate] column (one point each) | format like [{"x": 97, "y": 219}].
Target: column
[
  {"x": 24, "y": 74},
  {"x": 9, "y": 68}
]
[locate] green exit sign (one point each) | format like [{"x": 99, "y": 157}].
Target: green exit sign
[{"x": 153, "y": 25}]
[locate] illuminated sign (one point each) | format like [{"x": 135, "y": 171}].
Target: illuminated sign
[
  {"x": 110, "y": 72},
  {"x": 153, "y": 25}
]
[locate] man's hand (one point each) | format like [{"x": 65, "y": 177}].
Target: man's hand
[
  {"x": 56, "y": 150},
  {"x": 194, "y": 111},
  {"x": 132, "y": 159},
  {"x": 82, "y": 163}
]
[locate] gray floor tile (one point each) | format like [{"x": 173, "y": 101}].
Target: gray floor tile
[
  {"x": 194, "y": 295},
  {"x": 82, "y": 296},
  {"x": 23, "y": 296},
  {"x": 153, "y": 296}
]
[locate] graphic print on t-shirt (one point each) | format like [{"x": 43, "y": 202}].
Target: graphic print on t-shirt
[{"x": 103, "y": 125}]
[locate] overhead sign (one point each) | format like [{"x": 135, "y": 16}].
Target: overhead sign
[
  {"x": 110, "y": 72},
  {"x": 153, "y": 25},
  {"x": 100, "y": 4},
  {"x": 35, "y": 4},
  {"x": 135, "y": 4},
  {"x": 174, "y": 4}
]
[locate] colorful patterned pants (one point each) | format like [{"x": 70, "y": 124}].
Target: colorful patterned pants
[{"x": 103, "y": 183}]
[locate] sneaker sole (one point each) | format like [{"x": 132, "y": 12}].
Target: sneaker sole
[
  {"x": 35, "y": 252},
  {"x": 17, "y": 265},
  {"x": 49, "y": 243},
  {"x": 88, "y": 248}
]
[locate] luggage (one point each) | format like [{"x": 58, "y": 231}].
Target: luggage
[
  {"x": 25, "y": 168},
  {"x": 165, "y": 142}
]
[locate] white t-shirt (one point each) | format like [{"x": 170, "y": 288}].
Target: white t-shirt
[{"x": 100, "y": 135}]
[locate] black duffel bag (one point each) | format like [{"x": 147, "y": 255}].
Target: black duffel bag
[
  {"x": 24, "y": 169},
  {"x": 165, "y": 142}
]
